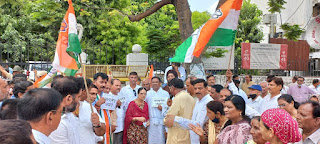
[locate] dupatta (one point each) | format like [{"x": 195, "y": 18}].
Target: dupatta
[{"x": 134, "y": 111}]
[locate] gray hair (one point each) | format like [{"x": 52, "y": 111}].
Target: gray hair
[
  {"x": 264, "y": 82},
  {"x": 191, "y": 77}
]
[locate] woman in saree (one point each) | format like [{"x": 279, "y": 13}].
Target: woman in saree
[{"x": 137, "y": 120}]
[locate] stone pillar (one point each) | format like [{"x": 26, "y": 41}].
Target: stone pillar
[{"x": 137, "y": 58}]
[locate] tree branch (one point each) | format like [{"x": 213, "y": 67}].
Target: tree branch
[
  {"x": 150, "y": 11},
  {"x": 221, "y": 2}
]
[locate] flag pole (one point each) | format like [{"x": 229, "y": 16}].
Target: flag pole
[
  {"x": 231, "y": 55},
  {"x": 80, "y": 28},
  {"x": 85, "y": 84}
]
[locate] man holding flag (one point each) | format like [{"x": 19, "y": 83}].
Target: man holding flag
[
  {"x": 66, "y": 62},
  {"x": 67, "y": 50}
]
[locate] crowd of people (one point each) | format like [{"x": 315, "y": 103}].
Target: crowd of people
[{"x": 178, "y": 110}]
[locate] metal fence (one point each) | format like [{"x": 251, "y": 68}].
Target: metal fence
[
  {"x": 24, "y": 55},
  {"x": 43, "y": 54},
  {"x": 117, "y": 71}
]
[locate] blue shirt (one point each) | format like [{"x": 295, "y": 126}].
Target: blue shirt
[
  {"x": 13, "y": 97},
  {"x": 10, "y": 70}
]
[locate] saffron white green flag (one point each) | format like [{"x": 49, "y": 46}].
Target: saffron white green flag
[
  {"x": 219, "y": 30},
  {"x": 67, "y": 49}
]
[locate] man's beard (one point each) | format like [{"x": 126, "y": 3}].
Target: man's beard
[{"x": 72, "y": 107}]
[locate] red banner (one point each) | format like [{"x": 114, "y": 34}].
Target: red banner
[
  {"x": 245, "y": 55},
  {"x": 283, "y": 56}
]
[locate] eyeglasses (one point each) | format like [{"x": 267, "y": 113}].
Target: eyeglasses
[
  {"x": 281, "y": 105},
  {"x": 135, "y": 93}
]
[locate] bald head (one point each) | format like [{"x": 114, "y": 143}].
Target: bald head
[
  {"x": 191, "y": 77},
  {"x": 146, "y": 84},
  {"x": 264, "y": 86}
]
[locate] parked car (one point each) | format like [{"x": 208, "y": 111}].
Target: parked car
[{"x": 40, "y": 66}]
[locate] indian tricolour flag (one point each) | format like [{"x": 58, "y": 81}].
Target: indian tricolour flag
[
  {"x": 67, "y": 49},
  {"x": 219, "y": 30}
]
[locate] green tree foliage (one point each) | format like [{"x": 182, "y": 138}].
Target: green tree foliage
[
  {"x": 20, "y": 35},
  {"x": 109, "y": 35},
  {"x": 33, "y": 25},
  {"x": 199, "y": 18},
  {"x": 249, "y": 19},
  {"x": 292, "y": 32},
  {"x": 163, "y": 35},
  {"x": 248, "y": 28},
  {"x": 276, "y": 5},
  {"x": 219, "y": 52}
]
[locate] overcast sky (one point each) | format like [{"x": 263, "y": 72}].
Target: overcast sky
[{"x": 203, "y": 5}]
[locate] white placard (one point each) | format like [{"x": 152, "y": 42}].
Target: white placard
[
  {"x": 123, "y": 101},
  {"x": 159, "y": 101},
  {"x": 214, "y": 63},
  {"x": 111, "y": 102}
]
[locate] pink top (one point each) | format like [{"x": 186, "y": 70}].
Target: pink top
[{"x": 235, "y": 134}]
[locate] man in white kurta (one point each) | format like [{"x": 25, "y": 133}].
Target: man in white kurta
[
  {"x": 87, "y": 135},
  {"x": 255, "y": 100},
  {"x": 130, "y": 91},
  {"x": 67, "y": 131},
  {"x": 271, "y": 100},
  {"x": 119, "y": 110},
  {"x": 156, "y": 128}
]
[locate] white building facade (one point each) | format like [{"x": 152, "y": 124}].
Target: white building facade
[{"x": 296, "y": 12}]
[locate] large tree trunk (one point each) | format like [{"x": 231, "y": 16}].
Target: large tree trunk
[
  {"x": 184, "y": 18},
  {"x": 185, "y": 25},
  {"x": 221, "y": 2},
  {"x": 183, "y": 13}
]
